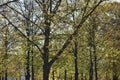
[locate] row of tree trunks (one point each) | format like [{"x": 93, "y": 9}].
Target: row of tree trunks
[{"x": 66, "y": 77}]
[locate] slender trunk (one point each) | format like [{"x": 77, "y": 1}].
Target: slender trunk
[
  {"x": 75, "y": 60},
  {"x": 65, "y": 75},
  {"x": 82, "y": 78},
  {"x": 58, "y": 76},
  {"x": 19, "y": 76},
  {"x": 2, "y": 75},
  {"x": 76, "y": 69},
  {"x": 2, "y": 78},
  {"x": 94, "y": 49},
  {"x": 90, "y": 43},
  {"x": 115, "y": 74},
  {"x": 32, "y": 75},
  {"x": 95, "y": 62},
  {"x": 6, "y": 53},
  {"x": 71, "y": 78},
  {"x": 115, "y": 77},
  {"x": 53, "y": 75},
  {"x": 6, "y": 74},
  {"x": 91, "y": 66},
  {"x": 106, "y": 76},
  {"x": 27, "y": 76},
  {"x": 27, "y": 23},
  {"x": 85, "y": 78}
]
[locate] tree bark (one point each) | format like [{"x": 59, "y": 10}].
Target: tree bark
[
  {"x": 82, "y": 77},
  {"x": 6, "y": 74},
  {"x": 27, "y": 75},
  {"x": 95, "y": 63},
  {"x": 94, "y": 48},
  {"x": 115, "y": 75},
  {"x": 6, "y": 52},
  {"x": 91, "y": 68},
  {"x": 46, "y": 65},
  {"x": 27, "y": 23},
  {"x": 53, "y": 75},
  {"x": 91, "y": 61},
  {"x": 46, "y": 71},
  {"x": 65, "y": 75},
  {"x": 75, "y": 60},
  {"x": 32, "y": 75}
]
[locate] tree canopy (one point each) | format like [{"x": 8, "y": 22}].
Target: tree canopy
[{"x": 59, "y": 39}]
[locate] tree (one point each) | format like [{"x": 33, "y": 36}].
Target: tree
[{"x": 51, "y": 11}]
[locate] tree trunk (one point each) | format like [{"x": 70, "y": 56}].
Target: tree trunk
[
  {"x": 1, "y": 75},
  {"x": 94, "y": 48},
  {"x": 6, "y": 74},
  {"x": 27, "y": 75},
  {"x": 2, "y": 78},
  {"x": 53, "y": 75},
  {"x": 115, "y": 74},
  {"x": 6, "y": 52},
  {"x": 82, "y": 78},
  {"x": 94, "y": 52},
  {"x": 106, "y": 76},
  {"x": 85, "y": 78},
  {"x": 76, "y": 70},
  {"x": 19, "y": 78},
  {"x": 71, "y": 78},
  {"x": 91, "y": 66},
  {"x": 46, "y": 65},
  {"x": 75, "y": 60},
  {"x": 115, "y": 77},
  {"x": 46, "y": 71},
  {"x": 95, "y": 62},
  {"x": 90, "y": 45},
  {"x": 27, "y": 23},
  {"x": 65, "y": 75},
  {"x": 32, "y": 75}
]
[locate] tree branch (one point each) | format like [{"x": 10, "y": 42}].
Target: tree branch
[
  {"x": 26, "y": 18},
  {"x": 23, "y": 34},
  {"x": 68, "y": 41},
  {"x": 57, "y": 6},
  {"x": 4, "y": 4}
]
